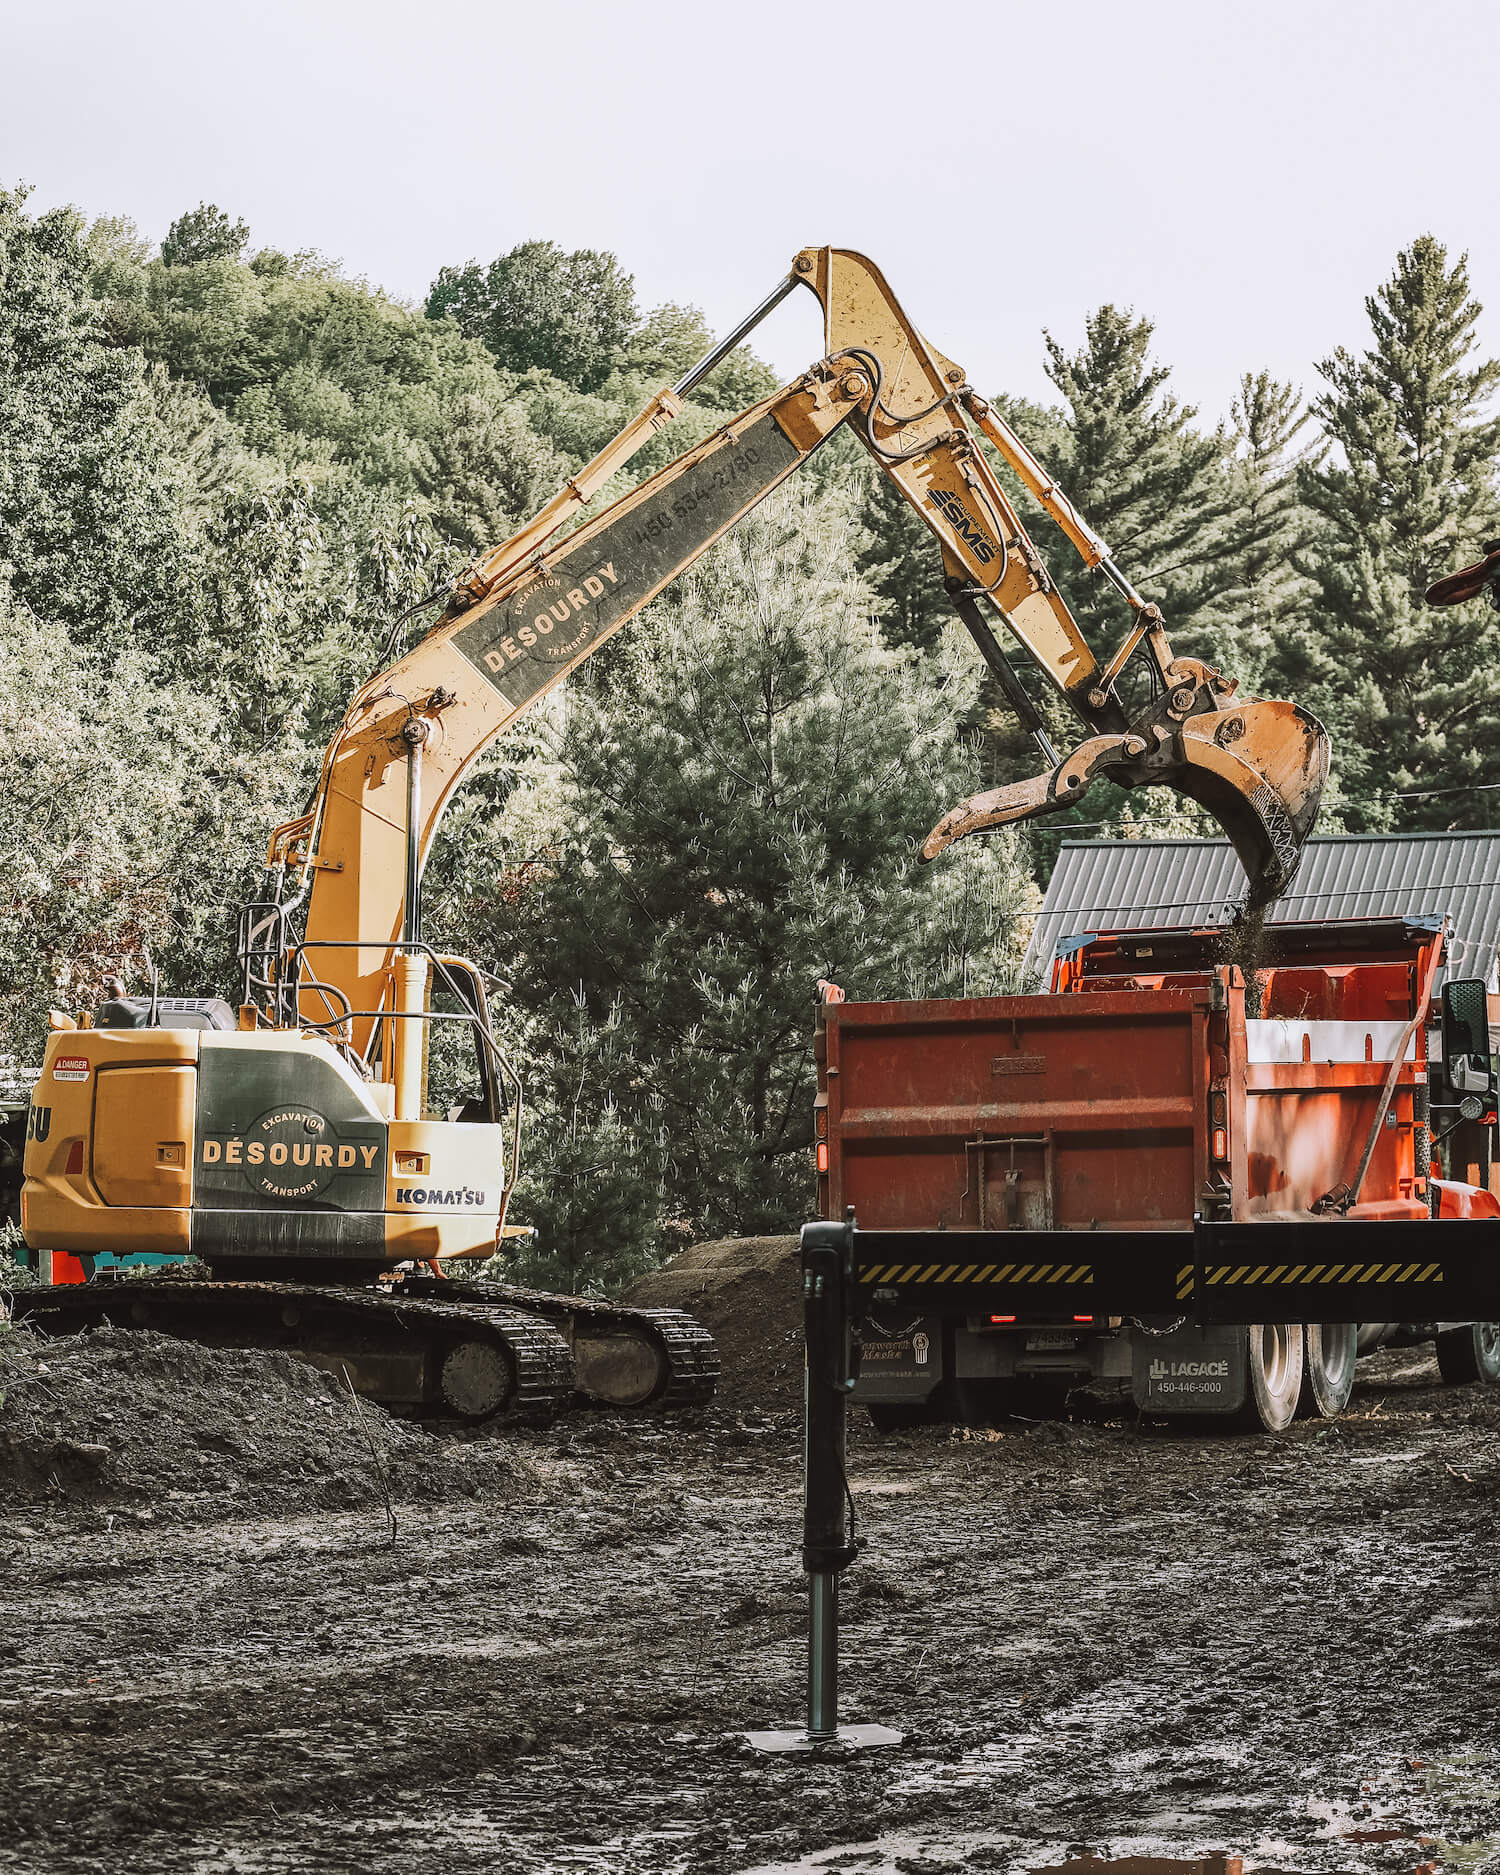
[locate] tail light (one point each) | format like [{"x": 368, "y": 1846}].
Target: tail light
[
  {"x": 1083, "y": 1318},
  {"x": 1218, "y": 1119},
  {"x": 822, "y": 1155},
  {"x": 75, "y": 1157},
  {"x": 1000, "y": 1320}
]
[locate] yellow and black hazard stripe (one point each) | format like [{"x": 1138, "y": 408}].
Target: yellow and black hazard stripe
[
  {"x": 901, "y": 1273},
  {"x": 1263, "y": 1275}
]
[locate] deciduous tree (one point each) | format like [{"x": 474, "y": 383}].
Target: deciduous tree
[
  {"x": 203, "y": 233},
  {"x": 538, "y": 307}
]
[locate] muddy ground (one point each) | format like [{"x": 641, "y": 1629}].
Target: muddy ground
[{"x": 1096, "y": 1636}]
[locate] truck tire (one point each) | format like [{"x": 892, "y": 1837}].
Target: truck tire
[
  {"x": 1273, "y": 1380},
  {"x": 1329, "y": 1351},
  {"x": 1469, "y": 1354}
]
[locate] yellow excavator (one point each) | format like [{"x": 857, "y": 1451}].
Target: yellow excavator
[{"x": 297, "y": 1144}]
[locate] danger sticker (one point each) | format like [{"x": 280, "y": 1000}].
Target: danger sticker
[{"x": 70, "y": 1068}]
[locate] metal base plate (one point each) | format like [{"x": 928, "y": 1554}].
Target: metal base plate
[{"x": 848, "y": 1738}]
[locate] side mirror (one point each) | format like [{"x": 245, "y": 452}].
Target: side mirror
[{"x": 1467, "y": 1066}]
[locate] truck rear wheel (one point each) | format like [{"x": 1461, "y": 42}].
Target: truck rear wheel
[
  {"x": 1273, "y": 1377},
  {"x": 1469, "y": 1354},
  {"x": 1329, "y": 1351}
]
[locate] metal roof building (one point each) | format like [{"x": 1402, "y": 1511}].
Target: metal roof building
[{"x": 1138, "y": 884}]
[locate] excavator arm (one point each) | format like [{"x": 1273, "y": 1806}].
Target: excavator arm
[
  {"x": 536, "y": 607},
  {"x": 1258, "y": 767}
]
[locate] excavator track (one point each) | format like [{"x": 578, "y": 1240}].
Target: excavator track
[
  {"x": 623, "y": 1357},
  {"x": 436, "y": 1357}
]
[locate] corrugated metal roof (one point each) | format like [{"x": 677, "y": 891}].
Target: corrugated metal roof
[{"x": 1138, "y": 884}]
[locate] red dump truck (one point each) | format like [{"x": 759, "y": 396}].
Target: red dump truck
[{"x": 1144, "y": 1100}]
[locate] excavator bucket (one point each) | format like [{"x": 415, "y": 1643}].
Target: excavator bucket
[
  {"x": 1260, "y": 771},
  {"x": 1258, "y": 767}
]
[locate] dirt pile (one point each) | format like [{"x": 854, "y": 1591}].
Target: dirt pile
[
  {"x": 747, "y": 1292},
  {"x": 145, "y": 1423}
]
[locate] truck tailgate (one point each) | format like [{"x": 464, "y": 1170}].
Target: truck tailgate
[{"x": 1016, "y": 1113}]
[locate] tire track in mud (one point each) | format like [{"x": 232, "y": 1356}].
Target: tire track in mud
[{"x": 1092, "y": 1636}]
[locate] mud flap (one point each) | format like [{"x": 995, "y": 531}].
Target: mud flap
[
  {"x": 899, "y": 1365},
  {"x": 1191, "y": 1370}
]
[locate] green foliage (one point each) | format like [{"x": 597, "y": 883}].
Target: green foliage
[
  {"x": 1153, "y": 485},
  {"x": 540, "y": 308},
  {"x": 14, "y": 1272},
  {"x": 714, "y": 855},
  {"x": 203, "y": 233},
  {"x": 90, "y": 497},
  {"x": 591, "y": 1184},
  {"x": 329, "y": 381},
  {"x": 122, "y": 833},
  {"x": 1269, "y": 605},
  {"x": 670, "y": 341},
  {"x": 1411, "y": 695}
]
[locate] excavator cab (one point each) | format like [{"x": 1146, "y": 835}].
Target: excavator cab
[{"x": 464, "y": 1085}]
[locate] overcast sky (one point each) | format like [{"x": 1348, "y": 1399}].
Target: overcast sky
[{"x": 1243, "y": 174}]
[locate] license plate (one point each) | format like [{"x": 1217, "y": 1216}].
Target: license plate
[{"x": 1048, "y": 1340}]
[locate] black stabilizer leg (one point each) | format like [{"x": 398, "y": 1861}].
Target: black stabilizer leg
[{"x": 828, "y": 1545}]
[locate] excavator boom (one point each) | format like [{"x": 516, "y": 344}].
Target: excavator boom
[{"x": 534, "y": 608}]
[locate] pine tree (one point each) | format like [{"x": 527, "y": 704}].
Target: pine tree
[
  {"x": 1144, "y": 477},
  {"x": 1269, "y": 603},
  {"x": 1159, "y": 490},
  {"x": 1410, "y": 695}
]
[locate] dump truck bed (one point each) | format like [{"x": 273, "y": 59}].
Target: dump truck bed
[
  {"x": 1016, "y": 1112},
  {"x": 1139, "y": 1093}
]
